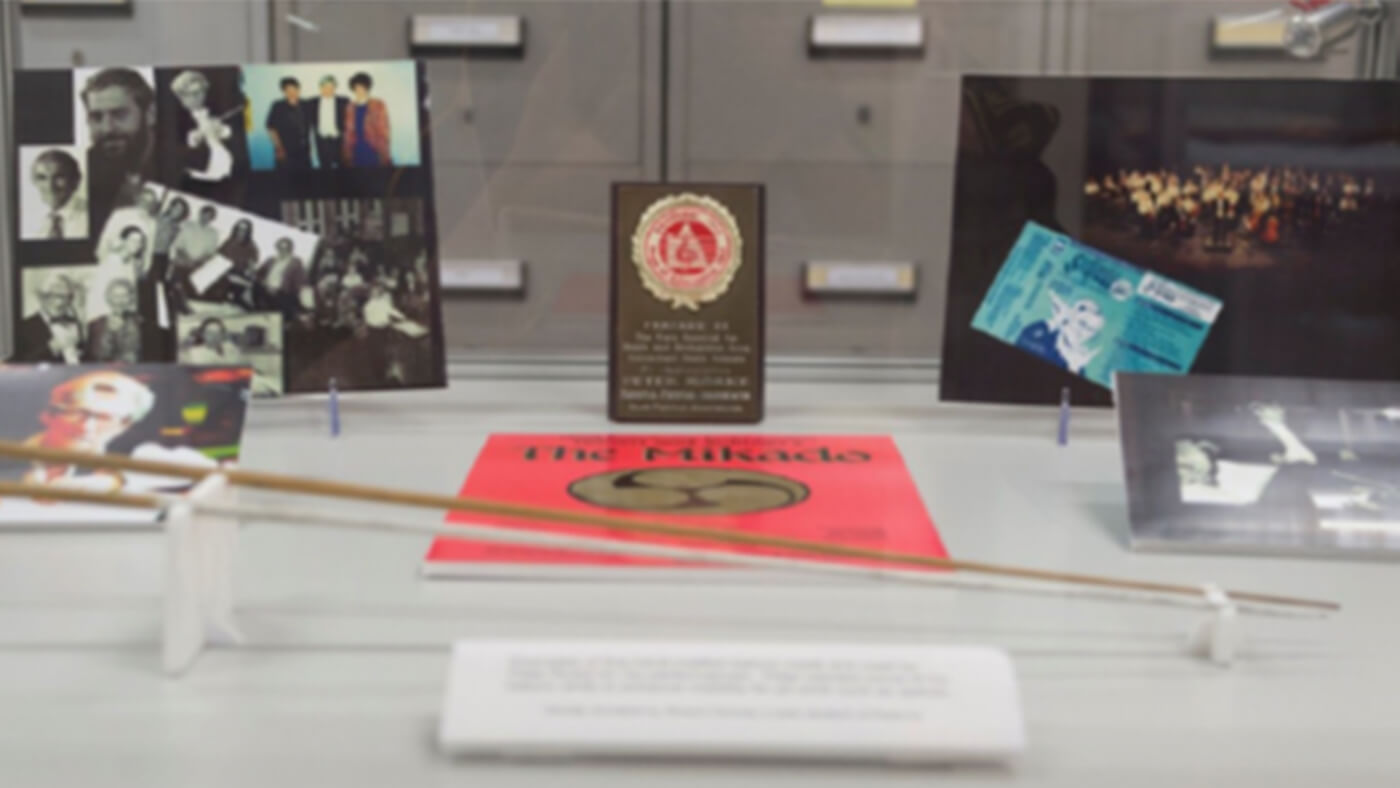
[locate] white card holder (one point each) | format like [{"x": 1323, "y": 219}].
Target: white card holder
[{"x": 804, "y": 701}]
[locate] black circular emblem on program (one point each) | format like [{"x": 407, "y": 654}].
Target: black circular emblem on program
[{"x": 698, "y": 491}]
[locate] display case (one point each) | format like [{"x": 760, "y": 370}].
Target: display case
[
  {"x": 855, "y": 138},
  {"x": 767, "y": 322}
]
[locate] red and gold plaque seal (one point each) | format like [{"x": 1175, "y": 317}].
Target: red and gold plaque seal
[{"x": 687, "y": 249}]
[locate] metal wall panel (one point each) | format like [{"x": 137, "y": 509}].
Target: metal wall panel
[
  {"x": 1171, "y": 38},
  {"x": 154, "y": 32},
  {"x": 525, "y": 146},
  {"x": 572, "y": 97},
  {"x": 749, "y": 89},
  {"x": 856, "y": 149}
]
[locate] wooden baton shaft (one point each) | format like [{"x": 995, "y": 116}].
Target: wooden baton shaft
[{"x": 358, "y": 492}]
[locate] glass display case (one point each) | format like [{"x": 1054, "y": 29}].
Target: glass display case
[
  {"x": 847, "y": 112},
  {"x": 440, "y": 199}
]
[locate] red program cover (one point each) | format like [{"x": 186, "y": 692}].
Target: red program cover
[{"x": 847, "y": 490}]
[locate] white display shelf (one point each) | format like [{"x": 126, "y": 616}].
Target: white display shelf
[{"x": 341, "y": 681}]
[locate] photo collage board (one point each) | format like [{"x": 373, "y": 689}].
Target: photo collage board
[{"x": 277, "y": 215}]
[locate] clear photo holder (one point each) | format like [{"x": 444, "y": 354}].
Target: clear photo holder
[{"x": 200, "y": 552}]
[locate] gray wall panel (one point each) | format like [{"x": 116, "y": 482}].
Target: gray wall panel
[
  {"x": 1161, "y": 38},
  {"x": 857, "y": 151},
  {"x": 747, "y": 88},
  {"x": 525, "y": 148},
  {"x": 157, "y": 32},
  {"x": 865, "y": 213},
  {"x": 556, "y": 220},
  {"x": 572, "y": 97}
]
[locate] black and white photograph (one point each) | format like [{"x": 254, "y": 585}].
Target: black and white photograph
[
  {"x": 125, "y": 250},
  {"x": 203, "y": 132},
  {"x": 1280, "y": 198},
  {"x": 1255, "y": 464},
  {"x": 137, "y": 212},
  {"x": 218, "y": 335},
  {"x": 221, "y": 254},
  {"x": 53, "y": 202},
  {"x": 158, "y": 412},
  {"x": 372, "y": 299},
  {"x": 54, "y": 324},
  {"x": 115, "y": 123}
]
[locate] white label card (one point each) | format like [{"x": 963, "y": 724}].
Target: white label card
[
  {"x": 867, "y": 31},
  {"x": 748, "y": 700},
  {"x": 466, "y": 30},
  {"x": 876, "y": 278},
  {"x": 500, "y": 275}
]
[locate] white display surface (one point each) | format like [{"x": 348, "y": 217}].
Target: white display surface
[{"x": 341, "y": 681}]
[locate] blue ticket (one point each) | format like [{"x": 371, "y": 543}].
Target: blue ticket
[{"x": 1079, "y": 309}]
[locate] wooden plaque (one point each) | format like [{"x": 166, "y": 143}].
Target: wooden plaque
[{"x": 686, "y": 318}]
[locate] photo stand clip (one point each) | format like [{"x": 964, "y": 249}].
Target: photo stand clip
[
  {"x": 333, "y": 407},
  {"x": 1062, "y": 433},
  {"x": 202, "y": 529},
  {"x": 1217, "y": 636}
]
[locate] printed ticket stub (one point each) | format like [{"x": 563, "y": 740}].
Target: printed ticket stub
[{"x": 1093, "y": 314}]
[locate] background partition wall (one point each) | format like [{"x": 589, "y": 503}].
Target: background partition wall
[
  {"x": 525, "y": 144},
  {"x": 856, "y": 146}
]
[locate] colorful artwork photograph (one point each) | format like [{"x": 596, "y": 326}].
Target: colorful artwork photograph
[{"x": 160, "y": 412}]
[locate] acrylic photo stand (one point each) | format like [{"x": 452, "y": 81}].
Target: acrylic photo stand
[
  {"x": 202, "y": 540},
  {"x": 202, "y": 535},
  {"x": 200, "y": 550}
]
